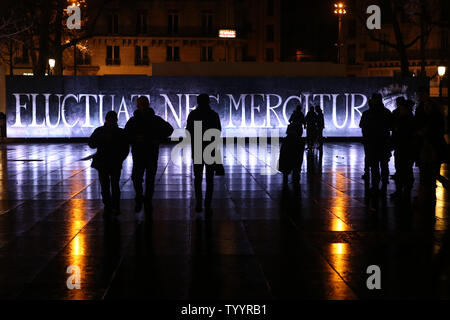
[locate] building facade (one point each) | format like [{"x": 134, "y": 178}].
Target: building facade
[
  {"x": 132, "y": 35},
  {"x": 365, "y": 57}
]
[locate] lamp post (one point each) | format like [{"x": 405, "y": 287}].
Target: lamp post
[
  {"x": 441, "y": 73},
  {"x": 51, "y": 64},
  {"x": 339, "y": 10}
]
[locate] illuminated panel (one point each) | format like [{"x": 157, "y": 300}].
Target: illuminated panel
[
  {"x": 248, "y": 106},
  {"x": 227, "y": 33}
]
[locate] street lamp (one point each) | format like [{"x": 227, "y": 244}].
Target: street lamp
[
  {"x": 441, "y": 73},
  {"x": 339, "y": 10},
  {"x": 51, "y": 63}
]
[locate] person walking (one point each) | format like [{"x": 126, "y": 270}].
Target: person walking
[
  {"x": 320, "y": 126},
  {"x": 376, "y": 126},
  {"x": 145, "y": 132},
  {"x": 293, "y": 147},
  {"x": 112, "y": 149},
  {"x": 208, "y": 119},
  {"x": 311, "y": 127},
  {"x": 433, "y": 149},
  {"x": 403, "y": 144}
]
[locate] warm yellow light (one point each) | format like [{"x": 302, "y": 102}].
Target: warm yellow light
[
  {"x": 339, "y": 248},
  {"x": 227, "y": 33},
  {"x": 51, "y": 63},
  {"x": 441, "y": 71},
  {"x": 340, "y": 8}
]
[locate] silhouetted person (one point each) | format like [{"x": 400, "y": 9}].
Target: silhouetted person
[
  {"x": 209, "y": 119},
  {"x": 311, "y": 127},
  {"x": 320, "y": 125},
  {"x": 2, "y": 126},
  {"x": 433, "y": 149},
  {"x": 365, "y": 134},
  {"x": 145, "y": 131},
  {"x": 403, "y": 144},
  {"x": 376, "y": 125},
  {"x": 420, "y": 121},
  {"x": 112, "y": 149},
  {"x": 292, "y": 148}
]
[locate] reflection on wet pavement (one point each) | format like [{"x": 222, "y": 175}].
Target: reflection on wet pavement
[{"x": 312, "y": 241}]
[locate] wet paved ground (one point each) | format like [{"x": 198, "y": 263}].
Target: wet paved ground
[{"x": 312, "y": 242}]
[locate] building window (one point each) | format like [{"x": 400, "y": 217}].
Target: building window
[
  {"x": 113, "y": 23},
  {"x": 172, "y": 23},
  {"x": 113, "y": 55},
  {"x": 173, "y": 53},
  {"x": 207, "y": 27},
  {"x": 207, "y": 54},
  {"x": 22, "y": 56},
  {"x": 352, "y": 28},
  {"x": 269, "y": 54},
  {"x": 351, "y": 54},
  {"x": 382, "y": 46},
  {"x": 82, "y": 57},
  {"x": 270, "y": 34},
  {"x": 141, "y": 23},
  {"x": 444, "y": 40},
  {"x": 270, "y": 8},
  {"x": 141, "y": 55}
]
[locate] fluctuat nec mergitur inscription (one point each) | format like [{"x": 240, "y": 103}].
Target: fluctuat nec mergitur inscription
[{"x": 41, "y": 110}]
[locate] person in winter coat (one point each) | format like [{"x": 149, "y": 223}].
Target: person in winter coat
[
  {"x": 293, "y": 147},
  {"x": 145, "y": 131},
  {"x": 112, "y": 149}
]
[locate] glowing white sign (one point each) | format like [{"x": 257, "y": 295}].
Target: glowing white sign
[{"x": 74, "y": 107}]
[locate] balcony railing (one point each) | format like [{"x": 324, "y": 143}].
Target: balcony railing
[
  {"x": 142, "y": 62},
  {"x": 110, "y": 61},
  {"x": 21, "y": 60},
  {"x": 412, "y": 55},
  {"x": 182, "y": 32},
  {"x": 83, "y": 60}
]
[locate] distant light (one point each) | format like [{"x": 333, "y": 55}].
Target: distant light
[
  {"x": 340, "y": 8},
  {"x": 51, "y": 63},
  {"x": 227, "y": 33},
  {"x": 27, "y": 74},
  {"x": 441, "y": 71}
]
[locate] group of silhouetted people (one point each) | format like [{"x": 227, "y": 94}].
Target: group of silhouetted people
[
  {"x": 144, "y": 131},
  {"x": 414, "y": 137},
  {"x": 315, "y": 124},
  {"x": 293, "y": 145}
]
